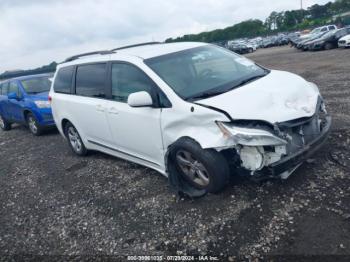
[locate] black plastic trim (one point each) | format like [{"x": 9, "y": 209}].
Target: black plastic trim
[{"x": 122, "y": 152}]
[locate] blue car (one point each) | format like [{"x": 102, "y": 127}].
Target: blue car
[{"x": 24, "y": 100}]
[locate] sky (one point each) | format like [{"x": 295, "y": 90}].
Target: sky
[{"x": 37, "y": 32}]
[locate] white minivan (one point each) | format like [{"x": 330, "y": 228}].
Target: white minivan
[{"x": 195, "y": 112}]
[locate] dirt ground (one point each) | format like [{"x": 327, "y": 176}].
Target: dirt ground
[{"x": 55, "y": 204}]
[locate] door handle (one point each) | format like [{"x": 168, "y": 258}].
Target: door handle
[
  {"x": 100, "y": 108},
  {"x": 113, "y": 110}
]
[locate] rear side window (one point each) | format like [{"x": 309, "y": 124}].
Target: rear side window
[
  {"x": 91, "y": 80},
  {"x": 63, "y": 80},
  {"x": 332, "y": 27}
]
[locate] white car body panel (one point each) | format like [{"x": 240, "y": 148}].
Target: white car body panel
[
  {"x": 346, "y": 39},
  {"x": 264, "y": 100},
  {"x": 144, "y": 135}
]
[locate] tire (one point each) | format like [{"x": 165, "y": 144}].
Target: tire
[
  {"x": 328, "y": 46},
  {"x": 74, "y": 140},
  {"x": 202, "y": 168},
  {"x": 4, "y": 124},
  {"x": 33, "y": 125}
]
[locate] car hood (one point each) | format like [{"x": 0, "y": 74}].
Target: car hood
[
  {"x": 40, "y": 96},
  {"x": 277, "y": 97}
]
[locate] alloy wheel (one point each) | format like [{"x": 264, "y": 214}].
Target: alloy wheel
[
  {"x": 75, "y": 139},
  {"x": 2, "y": 122},
  {"x": 192, "y": 168},
  {"x": 32, "y": 124}
]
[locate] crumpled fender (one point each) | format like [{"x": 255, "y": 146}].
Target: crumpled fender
[{"x": 196, "y": 122}]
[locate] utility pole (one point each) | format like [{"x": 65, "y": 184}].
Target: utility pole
[{"x": 301, "y": 4}]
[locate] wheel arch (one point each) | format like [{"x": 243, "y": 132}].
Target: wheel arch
[{"x": 64, "y": 122}]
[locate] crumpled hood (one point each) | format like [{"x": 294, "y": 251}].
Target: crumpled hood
[{"x": 277, "y": 97}]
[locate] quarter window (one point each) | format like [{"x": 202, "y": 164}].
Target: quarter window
[
  {"x": 13, "y": 88},
  {"x": 63, "y": 80},
  {"x": 90, "y": 80},
  {"x": 128, "y": 79},
  {"x": 4, "y": 88}
]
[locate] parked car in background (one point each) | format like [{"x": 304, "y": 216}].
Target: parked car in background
[
  {"x": 267, "y": 42},
  {"x": 240, "y": 48},
  {"x": 304, "y": 44},
  {"x": 321, "y": 29},
  {"x": 24, "y": 100},
  {"x": 344, "y": 41},
  {"x": 329, "y": 40},
  {"x": 317, "y": 32},
  {"x": 195, "y": 112}
]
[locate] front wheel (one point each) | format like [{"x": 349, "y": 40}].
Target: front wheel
[
  {"x": 328, "y": 46},
  {"x": 33, "y": 125},
  {"x": 4, "y": 124},
  {"x": 74, "y": 140},
  {"x": 202, "y": 168}
]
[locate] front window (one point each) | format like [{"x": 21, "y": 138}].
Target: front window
[
  {"x": 204, "y": 71},
  {"x": 127, "y": 79},
  {"x": 36, "y": 85}
]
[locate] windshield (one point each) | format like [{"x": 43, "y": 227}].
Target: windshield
[
  {"x": 315, "y": 31},
  {"x": 204, "y": 71},
  {"x": 36, "y": 85},
  {"x": 330, "y": 33}
]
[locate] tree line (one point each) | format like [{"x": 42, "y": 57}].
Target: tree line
[
  {"x": 285, "y": 21},
  {"x": 50, "y": 68},
  {"x": 277, "y": 22}
]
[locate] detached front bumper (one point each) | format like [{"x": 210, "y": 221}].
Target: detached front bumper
[{"x": 289, "y": 163}]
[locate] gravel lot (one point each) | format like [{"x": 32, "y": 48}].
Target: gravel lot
[{"x": 54, "y": 203}]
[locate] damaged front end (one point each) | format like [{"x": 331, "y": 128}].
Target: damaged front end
[{"x": 267, "y": 150}]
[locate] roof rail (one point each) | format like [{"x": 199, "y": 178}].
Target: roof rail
[
  {"x": 136, "y": 45},
  {"x": 103, "y": 52}
]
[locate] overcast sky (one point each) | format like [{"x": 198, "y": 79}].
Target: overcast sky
[{"x": 37, "y": 32}]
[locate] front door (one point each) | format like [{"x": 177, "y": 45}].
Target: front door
[
  {"x": 15, "y": 105},
  {"x": 136, "y": 131}
]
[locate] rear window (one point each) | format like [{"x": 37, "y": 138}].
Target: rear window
[
  {"x": 36, "y": 85},
  {"x": 63, "y": 80},
  {"x": 91, "y": 79}
]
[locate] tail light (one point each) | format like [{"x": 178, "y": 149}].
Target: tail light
[{"x": 50, "y": 99}]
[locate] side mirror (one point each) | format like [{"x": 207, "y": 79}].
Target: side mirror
[
  {"x": 140, "y": 99},
  {"x": 12, "y": 95}
]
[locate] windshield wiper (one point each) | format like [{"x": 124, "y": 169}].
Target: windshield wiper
[
  {"x": 208, "y": 94},
  {"x": 248, "y": 80}
]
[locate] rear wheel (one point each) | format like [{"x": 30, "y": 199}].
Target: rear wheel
[
  {"x": 74, "y": 140},
  {"x": 33, "y": 125},
  {"x": 202, "y": 168},
  {"x": 4, "y": 124}
]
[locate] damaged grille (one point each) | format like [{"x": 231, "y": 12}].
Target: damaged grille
[{"x": 303, "y": 131}]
